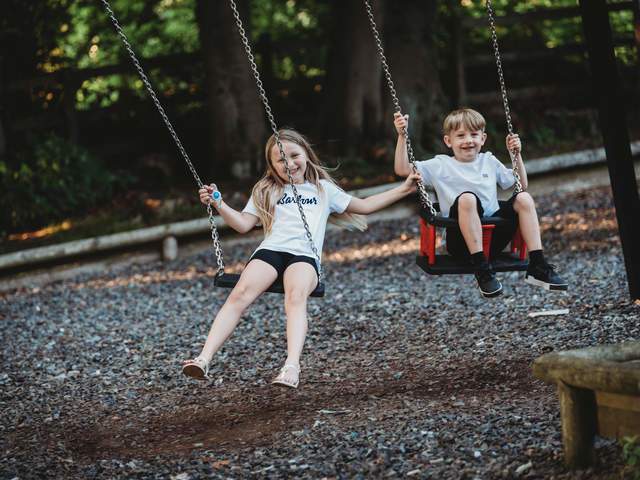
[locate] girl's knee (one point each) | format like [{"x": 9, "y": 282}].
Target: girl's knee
[
  {"x": 240, "y": 296},
  {"x": 295, "y": 297}
]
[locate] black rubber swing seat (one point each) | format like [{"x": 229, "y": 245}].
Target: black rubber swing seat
[
  {"x": 446, "y": 264},
  {"x": 229, "y": 280}
]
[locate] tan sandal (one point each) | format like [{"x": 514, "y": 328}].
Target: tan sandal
[
  {"x": 281, "y": 379},
  {"x": 197, "y": 368}
]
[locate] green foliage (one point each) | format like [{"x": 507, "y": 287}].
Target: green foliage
[
  {"x": 154, "y": 29},
  {"x": 300, "y": 26},
  {"x": 631, "y": 456},
  {"x": 51, "y": 180}
]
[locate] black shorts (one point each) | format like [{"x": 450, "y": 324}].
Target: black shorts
[
  {"x": 501, "y": 236},
  {"x": 281, "y": 260}
]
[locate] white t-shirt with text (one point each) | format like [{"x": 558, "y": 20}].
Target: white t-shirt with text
[
  {"x": 287, "y": 232},
  {"x": 450, "y": 178}
]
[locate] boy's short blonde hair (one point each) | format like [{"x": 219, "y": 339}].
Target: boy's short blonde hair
[{"x": 463, "y": 117}]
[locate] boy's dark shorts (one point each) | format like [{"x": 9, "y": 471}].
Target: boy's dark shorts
[
  {"x": 281, "y": 260},
  {"x": 502, "y": 234}
]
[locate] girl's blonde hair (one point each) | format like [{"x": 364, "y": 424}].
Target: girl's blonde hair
[
  {"x": 463, "y": 117},
  {"x": 270, "y": 187}
]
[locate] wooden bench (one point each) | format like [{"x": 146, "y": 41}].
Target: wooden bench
[{"x": 599, "y": 391}]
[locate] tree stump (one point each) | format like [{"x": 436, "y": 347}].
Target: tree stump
[{"x": 599, "y": 393}]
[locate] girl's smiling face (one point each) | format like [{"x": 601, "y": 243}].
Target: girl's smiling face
[
  {"x": 296, "y": 160},
  {"x": 465, "y": 143}
]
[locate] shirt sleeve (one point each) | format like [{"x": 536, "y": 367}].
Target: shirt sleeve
[
  {"x": 251, "y": 208},
  {"x": 425, "y": 172},
  {"x": 504, "y": 176},
  {"x": 338, "y": 199}
]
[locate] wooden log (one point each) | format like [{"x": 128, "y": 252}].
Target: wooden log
[
  {"x": 618, "y": 415},
  {"x": 106, "y": 242},
  {"x": 169, "y": 248},
  {"x": 578, "y": 413},
  {"x": 607, "y": 368}
]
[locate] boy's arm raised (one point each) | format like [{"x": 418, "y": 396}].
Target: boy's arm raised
[
  {"x": 401, "y": 160},
  {"x": 379, "y": 201},
  {"x": 514, "y": 145},
  {"x": 241, "y": 222}
]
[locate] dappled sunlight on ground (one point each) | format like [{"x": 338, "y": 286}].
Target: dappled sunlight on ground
[
  {"x": 379, "y": 250},
  {"x": 402, "y": 246},
  {"x": 562, "y": 231},
  {"x": 157, "y": 276}
]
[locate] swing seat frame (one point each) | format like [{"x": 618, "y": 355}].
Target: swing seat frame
[
  {"x": 513, "y": 260},
  {"x": 229, "y": 280}
]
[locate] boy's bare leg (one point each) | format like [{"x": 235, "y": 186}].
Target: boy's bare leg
[
  {"x": 539, "y": 272},
  {"x": 469, "y": 222},
  {"x": 471, "y": 229},
  {"x": 528, "y": 220}
]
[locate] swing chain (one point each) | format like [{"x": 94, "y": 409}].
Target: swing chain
[
  {"x": 425, "y": 200},
  {"x": 145, "y": 80},
  {"x": 274, "y": 128},
  {"x": 503, "y": 90}
]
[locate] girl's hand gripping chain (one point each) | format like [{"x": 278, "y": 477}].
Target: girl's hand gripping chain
[
  {"x": 411, "y": 181},
  {"x": 210, "y": 194}
]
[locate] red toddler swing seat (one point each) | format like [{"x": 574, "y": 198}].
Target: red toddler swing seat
[{"x": 513, "y": 260}]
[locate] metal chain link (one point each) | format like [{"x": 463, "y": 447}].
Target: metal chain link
[
  {"x": 274, "y": 128},
  {"x": 503, "y": 90},
  {"x": 425, "y": 200},
  {"x": 145, "y": 80}
]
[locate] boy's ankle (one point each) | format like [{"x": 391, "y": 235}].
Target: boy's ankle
[
  {"x": 536, "y": 257},
  {"x": 479, "y": 261}
]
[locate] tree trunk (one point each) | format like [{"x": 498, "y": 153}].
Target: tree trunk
[
  {"x": 353, "y": 92},
  {"x": 411, "y": 50},
  {"x": 237, "y": 130},
  {"x": 3, "y": 138}
]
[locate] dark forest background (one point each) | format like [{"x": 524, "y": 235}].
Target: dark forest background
[{"x": 82, "y": 143}]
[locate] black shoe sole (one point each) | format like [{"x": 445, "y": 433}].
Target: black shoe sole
[
  {"x": 497, "y": 293},
  {"x": 531, "y": 280}
]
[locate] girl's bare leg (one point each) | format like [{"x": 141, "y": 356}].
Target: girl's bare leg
[
  {"x": 254, "y": 280},
  {"x": 300, "y": 279}
]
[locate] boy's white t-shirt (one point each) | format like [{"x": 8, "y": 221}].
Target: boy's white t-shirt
[
  {"x": 287, "y": 232},
  {"x": 450, "y": 178}
]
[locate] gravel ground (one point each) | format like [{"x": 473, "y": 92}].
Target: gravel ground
[{"x": 403, "y": 374}]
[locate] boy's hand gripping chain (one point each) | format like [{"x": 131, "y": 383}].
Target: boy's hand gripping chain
[
  {"x": 425, "y": 200},
  {"x": 183, "y": 152},
  {"x": 274, "y": 128},
  {"x": 503, "y": 90}
]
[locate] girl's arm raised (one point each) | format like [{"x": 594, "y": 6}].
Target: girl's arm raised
[
  {"x": 378, "y": 201},
  {"x": 241, "y": 222}
]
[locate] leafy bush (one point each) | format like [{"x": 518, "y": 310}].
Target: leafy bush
[
  {"x": 50, "y": 180},
  {"x": 631, "y": 456}
]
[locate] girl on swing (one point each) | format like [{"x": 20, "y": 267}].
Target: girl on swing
[{"x": 285, "y": 252}]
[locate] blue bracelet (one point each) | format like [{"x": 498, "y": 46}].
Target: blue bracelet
[{"x": 216, "y": 197}]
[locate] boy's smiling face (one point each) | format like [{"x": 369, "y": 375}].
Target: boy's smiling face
[{"x": 465, "y": 143}]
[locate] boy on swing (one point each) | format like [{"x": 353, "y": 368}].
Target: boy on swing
[{"x": 466, "y": 186}]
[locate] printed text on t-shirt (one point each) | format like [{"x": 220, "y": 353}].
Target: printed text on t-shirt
[{"x": 287, "y": 199}]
